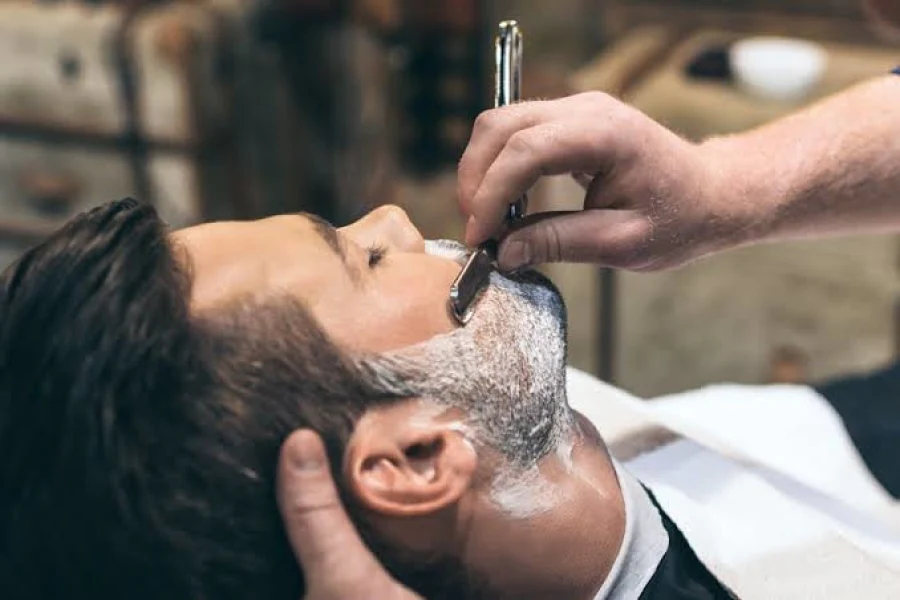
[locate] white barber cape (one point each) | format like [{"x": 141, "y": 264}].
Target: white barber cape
[{"x": 763, "y": 482}]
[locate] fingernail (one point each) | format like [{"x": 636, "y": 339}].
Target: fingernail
[
  {"x": 514, "y": 254},
  {"x": 306, "y": 452},
  {"x": 470, "y": 226}
]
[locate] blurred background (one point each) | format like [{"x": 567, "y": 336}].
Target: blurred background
[{"x": 215, "y": 109}]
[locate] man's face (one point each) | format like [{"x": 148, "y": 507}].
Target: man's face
[
  {"x": 377, "y": 288},
  {"x": 370, "y": 285},
  {"x": 485, "y": 437}
]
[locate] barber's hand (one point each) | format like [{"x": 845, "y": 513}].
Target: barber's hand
[
  {"x": 336, "y": 564},
  {"x": 653, "y": 199}
]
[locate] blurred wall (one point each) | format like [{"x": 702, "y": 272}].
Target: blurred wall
[{"x": 561, "y": 31}]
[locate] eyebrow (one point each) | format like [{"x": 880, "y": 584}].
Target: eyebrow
[{"x": 330, "y": 236}]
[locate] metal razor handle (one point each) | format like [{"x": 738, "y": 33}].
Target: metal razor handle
[
  {"x": 508, "y": 86},
  {"x": 474, "y": 277}
]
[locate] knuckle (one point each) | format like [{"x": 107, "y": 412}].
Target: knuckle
[
  {"x": 553, "y": 245},
  {"x": 313, "y": 501},
  {"x": 522, "y": 142},
  {"x": 631, "y": 246},
  {"x": 596, "y": 99},
  {"x": 486, "y": 121},
  {"x": 598, "y": 143}
]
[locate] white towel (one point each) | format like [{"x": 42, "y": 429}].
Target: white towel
[{"x": 766, "y": 530}]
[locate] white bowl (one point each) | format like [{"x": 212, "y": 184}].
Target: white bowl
[{"x": 777, "y": 68}]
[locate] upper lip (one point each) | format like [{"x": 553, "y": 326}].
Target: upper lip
[
  {"x": 457, "y": 252},
  {"x": 449, "y": 249}
]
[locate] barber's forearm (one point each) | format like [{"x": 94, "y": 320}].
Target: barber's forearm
[{"x": 828, "y": 170}]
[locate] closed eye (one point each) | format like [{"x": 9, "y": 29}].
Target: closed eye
[{"x": 376, "y": 254}]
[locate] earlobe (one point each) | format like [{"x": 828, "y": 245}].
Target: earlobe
[{"x": 399, "y": 466}]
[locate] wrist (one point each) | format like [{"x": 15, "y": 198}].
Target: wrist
[{"x": 745, "y": 192}]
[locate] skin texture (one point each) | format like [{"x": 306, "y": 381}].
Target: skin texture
[
  {"x": 828, "y": 170},
  {"x": 486, "y": 463}
]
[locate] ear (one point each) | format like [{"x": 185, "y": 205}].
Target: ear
[{"x": 403, "y": 462}]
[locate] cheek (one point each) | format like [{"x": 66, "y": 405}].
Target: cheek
[
  {"x": 405, "y": 304},
  {"x": 412, "y": 303}
]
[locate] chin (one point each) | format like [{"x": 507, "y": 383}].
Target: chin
[
  {"x": 541, "y": 293},
  {"x": 533, "y": 277}
]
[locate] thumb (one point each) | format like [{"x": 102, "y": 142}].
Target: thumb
[
  {"x": 601, "y": 236},
  {"x": 334, "y": 560}
]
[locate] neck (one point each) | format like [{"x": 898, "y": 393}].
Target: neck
[{"x": 562, "y": 548}]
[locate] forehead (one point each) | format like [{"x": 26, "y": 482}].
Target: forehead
[{"x": 279, "y": 254}]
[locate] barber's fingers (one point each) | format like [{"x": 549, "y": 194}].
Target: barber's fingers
[
  {"x": 550, "y": 148},
  {"x": 335, "y": 562},
  {"x": 614, "y": 238},
  {"x": 490, "y": 133}
]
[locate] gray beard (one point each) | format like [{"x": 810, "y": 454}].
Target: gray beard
[{"x": 505, "y": 369}]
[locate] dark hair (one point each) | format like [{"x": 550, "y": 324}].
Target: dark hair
[{"x": 139, "y": 442}]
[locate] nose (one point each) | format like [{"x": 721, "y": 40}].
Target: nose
[{"x": 387, "y": 226}]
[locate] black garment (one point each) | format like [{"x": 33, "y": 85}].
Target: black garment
[
  {"x": 869, "y": 406},
  {"x": 680, "y": 574}
]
